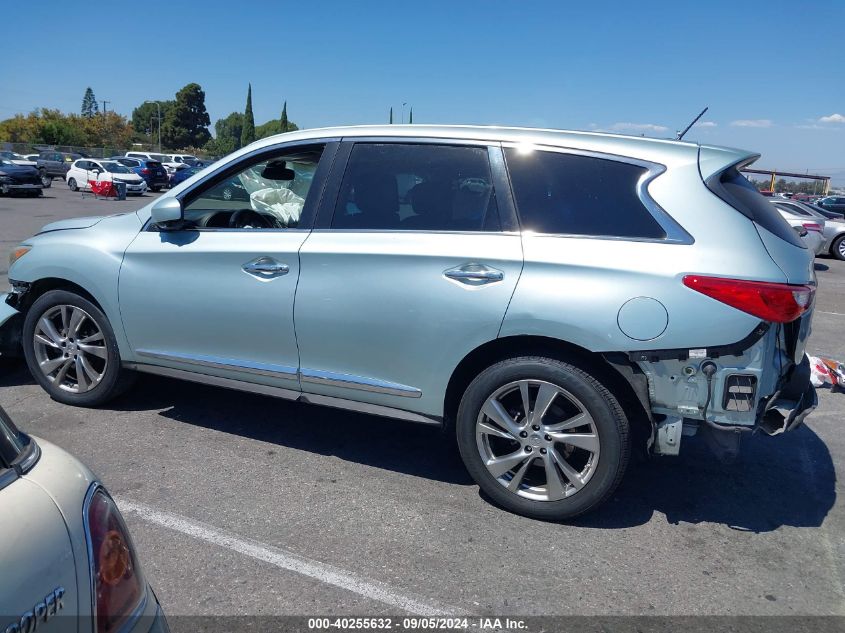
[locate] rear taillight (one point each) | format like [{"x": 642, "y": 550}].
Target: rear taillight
[
  {"x": 145, "y": 171},
  {"x": 812, "y": 226},
  {"x": 780, "y": 303},
  {"x": 118, "y": 585}
]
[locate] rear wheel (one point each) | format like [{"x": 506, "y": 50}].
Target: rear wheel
[
  {"x": 71, "y": 350},
  {"x": 837, "y": 249},
  {"x": 155, "y": 189},
  {"x": 542, "y": 438},
  {"x": 46, "y": 180},
  {"x": 72, "y": 184}
]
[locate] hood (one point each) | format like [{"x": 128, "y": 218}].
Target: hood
[
  {"x": 24, "y": 163},
  {"x": 124, "y": 177},
  {"x": 73, "y": 223},
  {"x": 18, "y": 170}
]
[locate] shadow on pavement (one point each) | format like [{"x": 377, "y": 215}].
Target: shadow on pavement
[{"x": 788, "y": 480}]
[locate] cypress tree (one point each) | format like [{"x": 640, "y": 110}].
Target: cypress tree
[
  {"x": 411, "y": 116},
  {"x": 248, "y": 130},
  {"x": 285, "y": 122},
  {"x": 391, "y": 115},
  {"x": 89, "y": 104}
]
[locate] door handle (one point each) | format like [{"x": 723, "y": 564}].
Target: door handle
[
  {"x": 266, "y": 268},
  {"x": 474, "y": 274}
]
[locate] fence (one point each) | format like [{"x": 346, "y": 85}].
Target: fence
[{"x": 88, "y": 152}]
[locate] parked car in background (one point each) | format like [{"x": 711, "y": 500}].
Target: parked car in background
[
  {"x": 187, "y": 159},
  {"x": 152, "y": 171},
  {"x": 832, "y": 203},
  {"x": 183, "y": 174},
  {"x": 19, "y": 179},
  {"x": 32, "y": 157},
  {"x": 52, "y": 164},
  {"x": 830, "y": 215},
  {"x": 69, "y": 563},
  {"x": 833, "y": 231},
  {"x": 17, "y": 159},
  {"x": 169, "y": 164},
  {"x": 84, "y": 170},
  {"x": 538, "y": 293},
  {"x": 810, "y": 229}
]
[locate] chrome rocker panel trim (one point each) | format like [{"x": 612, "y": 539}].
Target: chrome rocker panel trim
[
  {"x": 361, "y": 383},
  {"x": 218, "y": 362},
  {"x": 287, "y": 394}
]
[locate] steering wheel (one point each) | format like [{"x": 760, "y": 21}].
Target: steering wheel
[{"x": 248, "y": 219}]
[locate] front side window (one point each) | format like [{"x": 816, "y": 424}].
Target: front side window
[
  {"x": 417, "y": 188},
  {"x": 269, "y": 193},
  {"x": 571, "y": 194}
]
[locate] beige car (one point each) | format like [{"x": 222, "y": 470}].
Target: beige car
[{"x": 66, "y": 557}]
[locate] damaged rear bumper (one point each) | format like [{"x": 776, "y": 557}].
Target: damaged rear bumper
[{"x": 787, "y": 409}]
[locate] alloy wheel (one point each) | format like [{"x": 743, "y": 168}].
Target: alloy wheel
[
  {"x": 841, "y": 248},
  {"x": 70, "y": 348},
  {"x": 537, "y": 440}
]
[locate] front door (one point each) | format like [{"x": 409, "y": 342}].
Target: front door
[
  {"x": 216, "y": 296},
  {"x": 411, "y": 265}
]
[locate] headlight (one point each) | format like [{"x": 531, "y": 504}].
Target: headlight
[{"x": 19, "y": 252}]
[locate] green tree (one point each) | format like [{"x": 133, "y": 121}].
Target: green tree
[
  {"x": 89, "y": 103},
  {"x": 391, "y": 116},
  {"x": 186, "y": 123},
  {"x": 285, "y": 123},
  {"x": 145, "y": 118},
  {"x": 411, "y": 116},
  {"x": 227, "y": 135},
  {"x": 248, "y": 131}
]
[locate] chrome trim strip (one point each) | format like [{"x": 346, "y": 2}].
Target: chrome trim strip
[
  {"x": 360, "y": 383},
  {"x": 216, "y": 381},
  {"x": 217, "y": 362},
  {"x": 372, "y": 409},
  {"x": 288, "y": 394}
]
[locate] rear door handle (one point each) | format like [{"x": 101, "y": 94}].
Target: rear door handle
[
  {"x": 266, "y": 268},
  {"x": 474, "y": 274}
]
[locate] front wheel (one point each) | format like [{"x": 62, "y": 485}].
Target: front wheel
[
  {"x": 46, "y": 181},
  {"x": 837, "y": 249},
  {"x": 542, "y": 437},
  {"x": 71, "y": 350}
]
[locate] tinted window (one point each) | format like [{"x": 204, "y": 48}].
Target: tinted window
[
  {"x": 732, "y": 187},
  {"x": 793, "y": 209},
  {"x": 579, "y": 195},
  {"x": 417, "y": 188}
]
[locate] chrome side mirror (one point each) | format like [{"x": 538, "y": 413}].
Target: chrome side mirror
[{"x": 165, "y": 210}]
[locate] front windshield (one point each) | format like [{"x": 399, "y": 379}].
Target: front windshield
[{"x": 116, "y": 168}]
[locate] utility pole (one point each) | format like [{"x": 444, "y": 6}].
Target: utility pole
[
  {"x": 158, "y": 109},
  {"x": 104, "y": 106},
  {"x": 404, "y": 103}
]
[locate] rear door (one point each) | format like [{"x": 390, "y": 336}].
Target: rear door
[{"x": 411, "y": 265}]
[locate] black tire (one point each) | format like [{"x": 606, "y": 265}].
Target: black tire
[
  {"x": 46, "y": 181},
  {"x": 115, "y": 380},
  {"x": 608, "y": 420},
  {"x": 71, "y": 183},
  {"x": 837, "y": 249},
  {"x": 155, "y": 189}
]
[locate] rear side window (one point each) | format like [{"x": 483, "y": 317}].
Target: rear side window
[
  {"x": 417, "y": 188},
  {"x": 579, "y": 195},
  {"x": 732, "y": 187}
]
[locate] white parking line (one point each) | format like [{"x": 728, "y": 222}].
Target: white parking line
[
  {"x": 372, "y": 589},
  {"x": 834, "y": 313}
]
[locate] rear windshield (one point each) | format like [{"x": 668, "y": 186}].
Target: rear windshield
[
  {"x": 732, "y": 187},
  {"x": 153, "y": 163}
]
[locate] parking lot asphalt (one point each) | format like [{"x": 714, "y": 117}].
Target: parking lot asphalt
[{"x": 242, "y": 504}]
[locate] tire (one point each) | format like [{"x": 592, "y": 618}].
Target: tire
[
  {"x": 72, "y": 184},
  {"x": 580, "y": 409},
  {"x": 837, "y": 249},
  {"x": 102, "y": 376},
  {"x": 46, "y": 181},
  {"x": 155, "y": 189}
]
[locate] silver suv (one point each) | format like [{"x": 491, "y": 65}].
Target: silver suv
[{"x": 555, "y": 299}]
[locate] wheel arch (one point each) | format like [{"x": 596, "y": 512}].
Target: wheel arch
[
  {"x": 41, "y": 286},
  {"x": 624, "y": 379}
]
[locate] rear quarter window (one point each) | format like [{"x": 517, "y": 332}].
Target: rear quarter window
[{"x": 571, "y": 194}]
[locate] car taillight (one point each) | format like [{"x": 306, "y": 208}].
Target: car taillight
[
  {"x": 145, "y": 171},
  {"x": 780, "y": 303},
  {"x": 812, "y": 226},
  {"x": 118, "y": 585}
]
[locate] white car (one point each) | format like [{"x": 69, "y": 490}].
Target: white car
[
  {"x": 186, "y": 159},
  {"x": 84, "y": 170},
  {"x": 165, "y": 159},
  {"x": 17, "y": 159},
  {"x": 67, "y": 558},
  {"x": 811, "y": 230}
]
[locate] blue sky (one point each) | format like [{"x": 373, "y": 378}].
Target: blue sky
[{"x": 771, "y": 72}]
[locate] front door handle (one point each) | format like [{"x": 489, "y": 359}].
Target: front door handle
[
  {"x": 474, "y": 274},
  {"x": 266, "y": 268}
]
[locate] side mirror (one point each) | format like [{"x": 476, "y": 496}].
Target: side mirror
[{"x": 166, "y": 210}]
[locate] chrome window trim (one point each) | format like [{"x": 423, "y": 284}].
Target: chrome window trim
[
  {"x": 417, "y": 140},
  {"x": 287, "y": 394},
  {"x": 218, "y": 362},
  {"x": 675, "y": 233},
  {"x": 484, "y": 233},
  {"x": 361, "y": 383}
]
